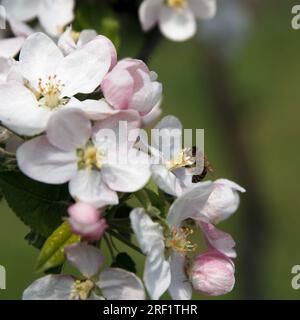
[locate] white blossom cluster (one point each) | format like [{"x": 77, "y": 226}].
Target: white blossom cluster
[{"x": 68, "y": 136}]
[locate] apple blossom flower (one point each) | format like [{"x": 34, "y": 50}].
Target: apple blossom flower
[
  {"x": 164, "y": 272},
  {"x": 86, "y": 221},
  {"x": 71, "y": 40},
  {"x": 130, "y": 85},
  {"x": 213, "y": 274},
  {"x": 88, "y": 157},
  {"x": 50, "y": 81},
  {"x": 111, "y": 284},
  {"x": 191, "y": 205},
  {"x": 176, "y": 18},
  {"x": 171, "y": 168},
  {"x": 53, "y": 15},
  {"x": 223, "y": 201}
]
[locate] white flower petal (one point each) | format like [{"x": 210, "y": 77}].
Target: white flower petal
[
  {"x": 180, "y": 288},
  {"x": 190, "y": 204},
  {"x": 219, "y": 240},
  {"x": 118, "y": 284},
  {"x": 86, "y": 36},
  {"x": 223, "y": 201},
  {"x": 177, "y": 25},
  {"x": 20, "y": 29},
  {"x": 39, "y": 58},
  {"x": 51, "y": 287},
  {"x": 147, "y": 232},
  {"x": 40, "y": 161},
  {"x": 166, "y": 180},
  {"x": 130, "y": 175},
  {"x": 83, "y": 70},
  {"x": 20, "y": 112},
  {"x": 157, "y": 275},
  {"x": 22, "y": 10},
  {"x": 10, "y": 47},
  {"x": 69, "y": 129},
  {"x": 54, "y": 15},
  {"x": 149, "y": 13},
  {"x": 5, "y": 67},
  {"x": 147, "y": 96},
  {"x": 87, "y": 259},
  {"x": 88, "y": 186},
  {"x": 150, "y": 236},
  {"x": 230, "y": 184},
  {"x": 66, "y": 42},
  {"x": 94, "y": 109},
  {"x": 114, "y": 125},
  {"x": 168, "y": 137},
  {"x": 203, "y": 9}
]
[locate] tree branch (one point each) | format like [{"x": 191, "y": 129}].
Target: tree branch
[{"x": 151, "y": 41}]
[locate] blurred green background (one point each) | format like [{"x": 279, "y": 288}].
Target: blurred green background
[{"x": 264, "y": 77}]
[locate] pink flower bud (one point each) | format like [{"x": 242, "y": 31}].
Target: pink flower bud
[
  {"x": 130, "y": 85},
  {"x": 213, "y": 274},
  {"x": 86, "y": 221},
  {"x": 150, "y": 118}
]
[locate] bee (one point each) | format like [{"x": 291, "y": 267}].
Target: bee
[{"x": 199, "y": 157}]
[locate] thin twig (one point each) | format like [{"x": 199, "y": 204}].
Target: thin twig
[{"x": 151, "y": 41}]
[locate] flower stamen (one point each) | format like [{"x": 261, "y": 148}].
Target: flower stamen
[
  {"x": 182, "y": 159},
  {"x": 177, "y": 4},
  {"x": 50, "y": 91},
  {"x": 90, "y": 157},
  {"x": 81, "y": 290},
  {"x": 178, "y": 241},
  {"x": 75, "y": 36}
]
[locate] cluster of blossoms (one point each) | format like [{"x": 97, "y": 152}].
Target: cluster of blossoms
[{"x": 96, "y": 145}]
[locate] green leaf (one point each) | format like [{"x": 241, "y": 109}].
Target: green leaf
[
  {"x": 124, "y": 261},
  {"x": 39, "y": 206},
  {"x": 53, "y": 254}
]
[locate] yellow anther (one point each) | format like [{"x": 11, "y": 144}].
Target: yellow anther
[
  {"x": 90, "y": 157},
  {"x": 75, "y": 36},
  {"x": 178, "y": 241},
  {"x": 182, "y": 159},
  {"x": 81, "y": 290},
  {"x": 178, "y": 4},
  {"x": 49, "y": 91}
]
